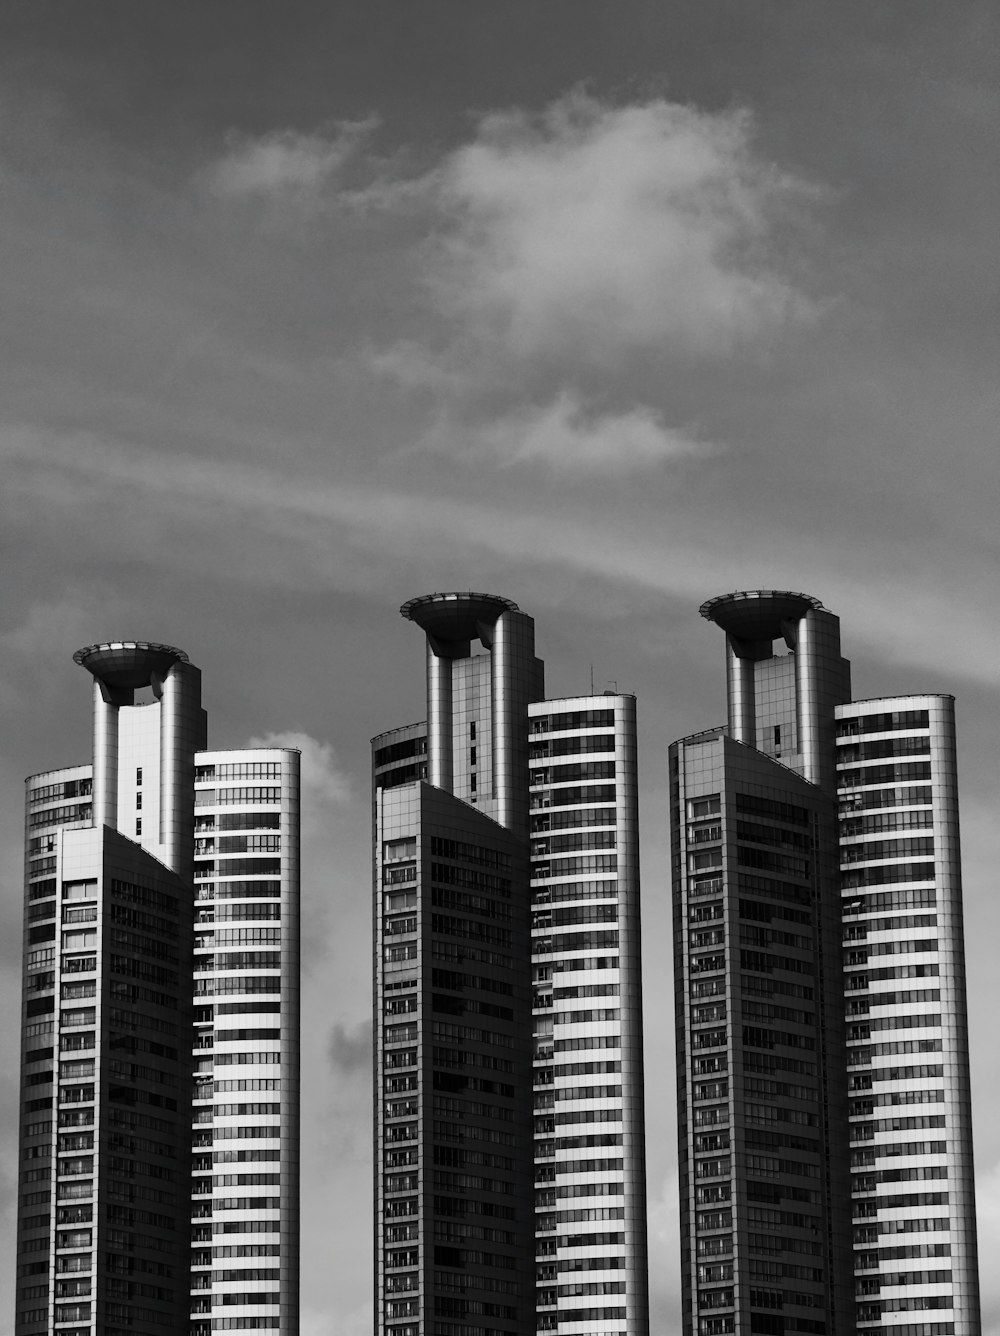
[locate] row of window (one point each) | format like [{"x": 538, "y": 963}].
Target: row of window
[
  {"x": 572, "y": 797},
  {"x": 237, "y": 797},
  {"x": 238, "y": 770},
  {"x": 60, "y": 816},
  {"x": 862, "y": 800},
  {"x": 580, "y": 744},
  {"x": 903, "y": 847},
  {"x": 237, "y": 844},
  {"x": 878, "y": 750},
  {"x": 567, "y": 719}
]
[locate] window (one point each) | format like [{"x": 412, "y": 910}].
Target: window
[
  {"x": 247, "y": 770},
  {"x": 883, "y": 723},
  {"x": 395, "y": 900},
  {"x": 405, "y": 951},
  {"x": 401, "y": 850},
  {"x": 79, "y": 940},
  {"x": 400, "y": 751}
]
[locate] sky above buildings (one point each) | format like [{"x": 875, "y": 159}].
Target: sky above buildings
[{"x": 306, "y": 309}]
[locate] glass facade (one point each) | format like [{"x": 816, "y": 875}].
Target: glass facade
[
  {"x": 912, "y": 1190},
  {"x": 825, "y": 1137},
  {"x": 590, "y": 1236},
  {"x": 509, "y": 1174},
  {"x": 111, "y": 1083},
  {"x": 763, "y": 1173},
  {"x": 246, "y": 1040}
]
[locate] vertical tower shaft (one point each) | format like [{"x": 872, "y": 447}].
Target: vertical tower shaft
[
  {"x": 108, "y": 1206},
  {"x": 825, "y": 1173},
  {"x": 509, "y": 1178}
]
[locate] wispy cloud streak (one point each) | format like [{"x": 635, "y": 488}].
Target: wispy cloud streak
[{"x": 321, "y": 529}]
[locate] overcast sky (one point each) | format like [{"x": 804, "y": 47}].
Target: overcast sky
[{"x": 607, "y": 306}]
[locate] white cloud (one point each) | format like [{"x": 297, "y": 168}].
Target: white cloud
[
  {"x": 594, "y": 230},
  {"x": 416, "y": 367},
  {"x": 285, "y": 162},
  {"x": 566, "y": 243},
  {"x": 566, "y": 435},
  {"x": 275, "y": 530},
  {"x": 325, "y": 787}
]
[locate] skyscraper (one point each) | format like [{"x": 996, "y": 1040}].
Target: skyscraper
[
  {"x": 131, "y": 1057},
  {"x": 823, "y": 1076},
  {"x": 509, "y": 1181}
]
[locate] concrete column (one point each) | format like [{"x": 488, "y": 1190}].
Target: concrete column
[
  {"x": 822, "y": 681},
  {"x": 440, "y": 755},
  {"x": 105, "y": 758},
  {"x": 513, "y": 663},
  {"x": 182, "y": 733},
  {"x": 740, "y": 684}
]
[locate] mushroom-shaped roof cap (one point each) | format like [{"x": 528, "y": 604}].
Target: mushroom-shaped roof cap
[
  {"x": 128, "y": 664},
  {"x": 456, "y": 616},
  {"x": 757, "y": 614}
]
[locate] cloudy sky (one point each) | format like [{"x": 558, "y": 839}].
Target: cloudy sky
[{"x": 307, "y": 308}]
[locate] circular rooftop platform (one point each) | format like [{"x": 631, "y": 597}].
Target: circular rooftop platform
[
  {"x": 757, "y": 614},
  {"x": 456, "y": 616},
  {"x": 128, "y": 664}
]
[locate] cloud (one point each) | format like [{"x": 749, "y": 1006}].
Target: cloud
[
  {"x": 325, "y": 786},
  {"x": 567, "y": 243},
  {"x": 595, "y": 230},
  {"x": 413, "y": 366},
  {"x": 275, "y": 531},
  {"x": 285, "y": 162},
  {"x": 548, "y": 250},
  {"x": 567, "y": 435},
  {"x": 326, "y": 795},
  {"x": 350, "y": 1050}
]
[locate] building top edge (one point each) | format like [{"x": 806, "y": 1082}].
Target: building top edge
[
  {"x": 83, "y": 770},
  {"x": 712, "y": 605},
  {"x": 129, "y": 664},
  {"x": 416, "y": 728},
  {"x": 894, "y": 700},
  {"x": 215, "y": 753},
  {"x": 759, "y": 614},
  {"x": 129, "y": 646},
  {"x": 456, "y": 617},
  {"x": 703, "y": 735},
  {"x": 457, "y": 596},
  {"x": 537, "y": 707}
]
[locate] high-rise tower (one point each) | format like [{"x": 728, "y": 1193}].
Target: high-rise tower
[
  {"x": 116, "y": 969},
  {"x": 806, "y": 1200},
  {"x": 509, "y": 1145}
]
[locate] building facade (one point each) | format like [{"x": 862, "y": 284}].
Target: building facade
[
  {"x": 509, "y": 1175},
  {"x": 590, "y": 1222},
  {"x": 123, "y": 1036},
  {"x": 824, "y": 1128}
]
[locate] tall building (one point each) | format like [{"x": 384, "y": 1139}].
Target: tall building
[
  {"x": 823, "y": 1077},
  {"x": 509, "y": 1179},
  {"x": 159, "y": 1086}
]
